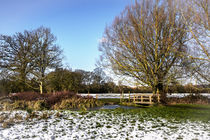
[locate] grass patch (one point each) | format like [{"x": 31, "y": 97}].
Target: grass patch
[
  {"x": 176, "y": 112},
  {"x": 110, "y": 101}
]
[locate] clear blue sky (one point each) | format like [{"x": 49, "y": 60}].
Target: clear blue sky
[{"x": 77, "y": 24}]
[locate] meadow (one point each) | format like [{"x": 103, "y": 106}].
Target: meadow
[{"x": 179, "y": 121}]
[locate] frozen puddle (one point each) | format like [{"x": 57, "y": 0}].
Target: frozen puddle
[
  {"x": 99, "y": 125},
  {"x": 113, "y": 107}
]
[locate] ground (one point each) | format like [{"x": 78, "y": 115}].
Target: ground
[{"x": 172, "y": 122}]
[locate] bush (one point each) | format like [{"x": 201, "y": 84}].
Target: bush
[
  {"x": 54, "y": 98},
  {"x": 190, "y": 99},
  {"x": 76, "y": 103},
  {"x": 26, "y": 96},
  {"x": 58, "y": 100},
  {"x": 19, "y": 105},
  {"x": 40, "y": 105},
  {"x": 7, "y": 106}
]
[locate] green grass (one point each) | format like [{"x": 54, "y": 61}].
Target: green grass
[
  {"x": 183, "y": 112},
  {"x": 110, "y": 101},
  {"x": 180, "y": 112}
]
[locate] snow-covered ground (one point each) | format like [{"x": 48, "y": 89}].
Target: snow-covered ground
[
  {"x": 70, "y": 125},
  {"x": 126, "y": 95}
]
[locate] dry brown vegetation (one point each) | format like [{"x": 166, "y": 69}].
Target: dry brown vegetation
[{"x": 60, "y": 100}]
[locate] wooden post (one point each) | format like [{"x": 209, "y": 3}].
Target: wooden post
[
  {"x": 129, "y": 98},
  {"x": 122, "y": 96},
  {"x": 96, "y": 96},
  {"x": 141, "y": 98},
  {"x": 150, "y": 99},
  {"x": 158, "y": 97}
]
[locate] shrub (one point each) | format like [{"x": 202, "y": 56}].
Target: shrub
[
  {"x": 190, "y": 99},
  {"x": 5, "y": 125},
  {"x": 40, "y": 105},
  {"x": 66, "y": 104},
  {"x": 58, "y": 96},
  {"x": 44, "y": 116},
  {"x": 32, "y": 116},
  {"x": 59, "y": 100},
  {"x": 77, "y": 103},
  {"x": 29, "y": 110},
  {"x": 19, "y": 105},
  {"x": 27, "y": 96},
  {"x": 2, "y": 118}
]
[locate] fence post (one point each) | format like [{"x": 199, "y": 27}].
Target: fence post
[
  {"x": 150, "y": 99},
  {"x": 129, "y": 98},
  {"x": 122, "y": 95},
  {"x": 121, "y": 98},
  {"x": 141, "y": 98},
  {"x": 158, "y": 97}
]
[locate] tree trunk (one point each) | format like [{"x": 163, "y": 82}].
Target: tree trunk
[
  {"x": 41, "y": 87},
  {"x": 160, "y": 91}
]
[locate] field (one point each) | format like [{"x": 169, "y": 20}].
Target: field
[{"x": 162, "y": 122}]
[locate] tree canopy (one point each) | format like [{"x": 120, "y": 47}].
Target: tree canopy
[
  {"x": 147, "y": 42},
  {"x": 29, "y": 55}
]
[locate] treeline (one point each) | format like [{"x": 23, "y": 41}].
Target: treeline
[{"x": 80, "y": 81}]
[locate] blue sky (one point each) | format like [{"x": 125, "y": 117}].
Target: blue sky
[{"x": 77, "y": 24}]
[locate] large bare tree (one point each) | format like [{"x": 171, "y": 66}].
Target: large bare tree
[
  {"x": 47, "y": 55},
  {"x": 29, "y": 55},
  {"x": 16, "y": 56},
  {"x": 147, "y": 43}
]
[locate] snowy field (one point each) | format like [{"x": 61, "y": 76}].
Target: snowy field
[
  {"x": 126, "y": 95},
  {"x": 70, "y": 125}
]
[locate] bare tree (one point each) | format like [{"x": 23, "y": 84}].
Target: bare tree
[
  {"x": 47, "y": 55},
  {"x": 30, "y": 55},
  {"x": 15, "y": 56},
  {"x": 147, "y": 42}
]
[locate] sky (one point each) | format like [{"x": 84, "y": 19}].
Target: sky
[{"x": 78, "y": 24}]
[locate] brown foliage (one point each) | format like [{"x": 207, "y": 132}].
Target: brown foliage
[
  {"x": 58, "y": 96},
  {"x": 26, "y": 96},
  {"x": 190, "y": 99},
  {"x": 58, "y": 100}
]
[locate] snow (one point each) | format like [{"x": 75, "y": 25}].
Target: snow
[
  {"x": 100, "y": 125},
  {"x": 126, "y": 95}
]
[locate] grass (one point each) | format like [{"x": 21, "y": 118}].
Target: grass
[
  {"x": 102, "y": 123},
  {"x": 110, "y": 101},
  {"x": 177, "y": 112},
  {"x": 193, "y": 112}
]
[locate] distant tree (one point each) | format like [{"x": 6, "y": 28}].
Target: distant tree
[
  {"x": 87, "y": 80},
  {"x": 59, "y": 80},
  {"x": 147, "y": 42}
]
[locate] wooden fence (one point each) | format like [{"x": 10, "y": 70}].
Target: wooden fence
[{"x": 142, "y": 98}]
